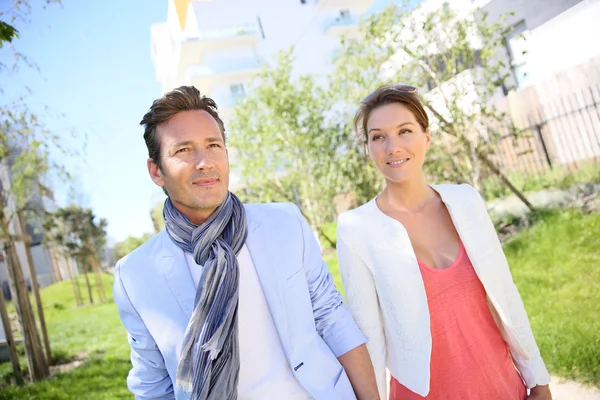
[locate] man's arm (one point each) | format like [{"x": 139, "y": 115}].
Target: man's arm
[
  {"x": 148, "y": 379},
  {"x": 333, "y": 321},
  {"x": 359, "y": 369}
]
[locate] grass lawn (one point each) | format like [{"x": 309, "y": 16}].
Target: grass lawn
[
  {"x": 94, "y": 330},
  {"x": 556, "y": 265}
]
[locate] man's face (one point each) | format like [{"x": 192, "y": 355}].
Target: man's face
[{"x": 194, "y": 164}]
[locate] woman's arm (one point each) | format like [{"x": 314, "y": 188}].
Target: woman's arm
[{"x": 526, "y": 356}]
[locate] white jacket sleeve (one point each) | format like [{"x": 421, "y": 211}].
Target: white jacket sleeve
[
  {"x": 362, "y": 301},
  {"x": 527, "y": 356}
]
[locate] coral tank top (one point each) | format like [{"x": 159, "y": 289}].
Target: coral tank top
[{"x": 469, "y": 358}]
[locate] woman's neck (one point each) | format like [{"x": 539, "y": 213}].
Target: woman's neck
[{"x": 410, "y": 196}]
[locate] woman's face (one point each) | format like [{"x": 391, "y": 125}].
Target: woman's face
[{"x": 396, "y": 143}]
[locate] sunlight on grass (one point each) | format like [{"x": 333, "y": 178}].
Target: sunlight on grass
[
  {"x": 91, "y": 329},
  {"x": 554, "y": 264}
]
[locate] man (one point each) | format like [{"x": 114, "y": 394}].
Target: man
[{"x": 288, "y": 337}]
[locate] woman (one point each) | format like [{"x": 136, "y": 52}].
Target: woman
[{"x": 425, "y": 275}]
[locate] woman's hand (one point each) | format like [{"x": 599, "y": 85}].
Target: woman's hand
[{"x": 540, "y": 393}]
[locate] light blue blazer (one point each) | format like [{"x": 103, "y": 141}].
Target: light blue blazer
[{"x": 155, "y": 294}]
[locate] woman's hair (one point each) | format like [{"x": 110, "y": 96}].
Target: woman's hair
[{"x": 384, "y": 95}]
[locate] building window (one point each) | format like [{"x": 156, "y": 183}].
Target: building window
[
  {"x": 516, "y": 45},
  {"x": 237, "y": 91}
]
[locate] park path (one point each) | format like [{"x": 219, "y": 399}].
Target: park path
[{"x": 569, "y": 390}]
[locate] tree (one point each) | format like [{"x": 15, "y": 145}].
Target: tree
[
  {"x": 25, "y": 148},
  {"x": 24, "y": 163},
  {"x": 285, "y": 145},
  {"x": 456, "y": 59},
  {"x": 130, "y": 244},
  {"x": 16, "y": 12},
  {"x": 54, "y": 239},
  {"x": 156, "y": 214},
  {"x": 76, "y": 230}
]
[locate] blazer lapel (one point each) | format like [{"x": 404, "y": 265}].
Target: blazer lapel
[
  {"x": 173, "y": 265},
  {"x": 266, "y": 269}
]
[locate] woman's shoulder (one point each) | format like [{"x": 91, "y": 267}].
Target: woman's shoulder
[
  {"x": 356, "y": 218},
  {"x": 457, "y": 192}
]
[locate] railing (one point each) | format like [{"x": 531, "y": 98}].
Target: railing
[
  {"x": 222, "y": 67},
  {"x": 340, "y": 21},
  {"x": 562, "y": 133},
  {"x": 226, "y": 32}
]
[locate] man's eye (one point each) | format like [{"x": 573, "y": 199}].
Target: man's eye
[{"x": 182, "y": 150}]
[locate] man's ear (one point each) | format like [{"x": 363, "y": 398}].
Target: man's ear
[{"x": 155, "y": 173}]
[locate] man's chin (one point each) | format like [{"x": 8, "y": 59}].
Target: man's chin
[{"x": 211, "y": 202}]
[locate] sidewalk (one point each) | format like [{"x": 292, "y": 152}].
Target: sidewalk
[
  {"x": 569, "y": 390},
  {"x": 561, "y": 389}
]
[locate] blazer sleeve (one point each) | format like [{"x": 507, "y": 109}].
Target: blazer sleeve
[
  {"x": 148, "y": 379},
  {"x": 363, "y": 303},
  {"x": 527, "y": 358},
  {"x": 332, "y": 320}
]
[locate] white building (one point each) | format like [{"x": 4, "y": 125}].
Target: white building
[
  {"x": 554, "y": 83},
  {"x": 559, "y": 35},
  {"x": 556, "y": 70},
  {"x": 219, "y": 45}
]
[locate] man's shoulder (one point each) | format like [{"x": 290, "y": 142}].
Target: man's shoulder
[{"x": 271, "y": 211}]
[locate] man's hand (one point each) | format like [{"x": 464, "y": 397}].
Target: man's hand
[
  {"x": 540, "y": 393},
  {"x": 359, "y": 369}
]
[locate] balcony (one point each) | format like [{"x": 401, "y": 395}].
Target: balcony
[
  {"x": 341, "y": 25},
  {"x": 359, "y": 6},
  {"x": 205, "y": 75},
  {"x": 206, "y": 39}
]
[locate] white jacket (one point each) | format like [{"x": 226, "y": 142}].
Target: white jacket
[{"x": 386, "y": 295}]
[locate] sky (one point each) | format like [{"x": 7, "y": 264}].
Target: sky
[
  {"x": 96, "y": 77},
  {"x": 95, "y": 81}
]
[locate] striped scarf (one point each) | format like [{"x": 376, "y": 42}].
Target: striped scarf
[{"x": 210, "y": 361}]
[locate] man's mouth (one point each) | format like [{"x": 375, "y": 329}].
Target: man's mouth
[{"x": 206, "y": 182}]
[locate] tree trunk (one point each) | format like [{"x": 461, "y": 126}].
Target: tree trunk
[
  {"x": 74, "y": 282},
  {"x": 36, "y": 292},
  {"x": 89, "y": 288},
  {"x": 55, "y": 265},
  {"x": 488, "y": 163},
  {"x": 481, "y": 156},
  {"x": 98, "y": 275},
  {"x": 38, "y": 367},
  {"x": 12, "y": 347}
]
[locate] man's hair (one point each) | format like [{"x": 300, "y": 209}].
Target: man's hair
[{"x": 184, "y": 98}]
